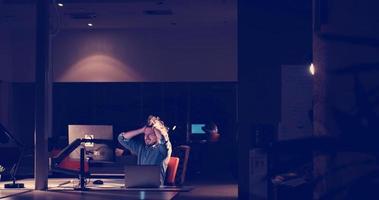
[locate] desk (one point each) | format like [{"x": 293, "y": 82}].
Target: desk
[{"x": 111, "y": 189}]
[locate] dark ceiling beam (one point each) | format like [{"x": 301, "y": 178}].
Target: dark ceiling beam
[
  {"x": 10, "y": 2},
  {"x": 110, "y": 1},
  {"x": 351, "y": 39}
]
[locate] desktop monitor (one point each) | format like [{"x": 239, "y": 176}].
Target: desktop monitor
[
  {"x": 197, "y": 133},
  {"x": 98, "y": 152},
  {"x": 197, "y": 129}
]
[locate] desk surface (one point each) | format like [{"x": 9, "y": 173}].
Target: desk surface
[
  {"x": 111, "y": 189},
  {"x": 90, "y": 195}
]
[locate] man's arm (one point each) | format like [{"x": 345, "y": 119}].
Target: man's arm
[
  {"x": 125, "y": 139},
  {"x": 130, "y": 134}
]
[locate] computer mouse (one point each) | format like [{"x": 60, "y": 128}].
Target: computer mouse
[{"x": 98, "y": 182}]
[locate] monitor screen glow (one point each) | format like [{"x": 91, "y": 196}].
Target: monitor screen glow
[
  {"x": 98, "y": 152},
  {"x": 197, "y": 128}
]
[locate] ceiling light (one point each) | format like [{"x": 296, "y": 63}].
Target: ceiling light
[
  {"x": 60, "y": 4},
  {"x": 312, "y": 69}
]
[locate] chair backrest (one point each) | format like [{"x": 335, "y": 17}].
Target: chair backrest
[
  {"x": 182, "y": 152},
  {"x": 171, "y": 170}
]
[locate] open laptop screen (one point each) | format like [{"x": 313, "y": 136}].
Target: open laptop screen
[{"x": 142, "y": 176}]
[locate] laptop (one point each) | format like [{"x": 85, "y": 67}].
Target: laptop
[{"x": 142, "y": 176}]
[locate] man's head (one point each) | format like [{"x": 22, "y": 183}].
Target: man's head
[
  {"x": 150, "y": 136},
  {"x": 155, "y": 130}
]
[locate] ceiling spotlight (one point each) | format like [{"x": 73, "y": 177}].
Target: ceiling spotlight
[
  {"x": 312, "y": 69},
  {"x": 60, "y": 4},
  {"x": 89, "y": 24}
]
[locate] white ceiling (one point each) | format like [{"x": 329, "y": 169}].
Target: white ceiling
[{"x": 124, "y": 13}]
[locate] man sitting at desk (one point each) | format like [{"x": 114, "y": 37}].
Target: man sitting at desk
[{"x": 156, "y": 148}]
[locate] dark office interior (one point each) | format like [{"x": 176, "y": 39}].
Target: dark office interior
[{"x": 262, "y": 100}]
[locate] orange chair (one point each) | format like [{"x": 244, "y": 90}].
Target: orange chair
[
  {"x": 182, "y": 152},
  {"x": 172, "y": 167}
]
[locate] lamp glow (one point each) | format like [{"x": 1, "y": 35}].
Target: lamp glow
[
  {"x": 312, "y": 69},
  {"x": 89, "y": 24},
  {"x": 60, "y": 4}
]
